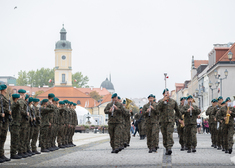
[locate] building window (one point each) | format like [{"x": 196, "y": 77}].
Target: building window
[
  {"x": 63, "y": 77},
  {"x": 78, "y": 102}
]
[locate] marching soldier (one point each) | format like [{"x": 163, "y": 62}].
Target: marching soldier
[
  {"x": 141, "y": 124},
  {"x": 114, "y": 110},
  {"x": 5, "y": 122},
  {"x": 166, "y": 108},
  {"x": 55, "y": 129},
  {"x": 181, "y": 127},
  {"x": 51, "y": 122},
  {"x": 37, "y": 114},
  {"x": 191, "y": 113},
  {"x": 15, "y": 127},
  {"x": 156, "y": 145},
  {"x": 227, "y": 114},
  {"x": 150, "y": 114},
  {"x": 127, "y": 118},
  {"x": 61, "y": 121},
  {"x": 123, "y": 136}
]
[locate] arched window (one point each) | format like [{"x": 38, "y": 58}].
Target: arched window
[
  {"x": 78, "y": 102},
  {"x": 63, "y": 77}
]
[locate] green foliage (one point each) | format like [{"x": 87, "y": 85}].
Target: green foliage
[
  {"x": 95, "y": 95},
  {"x": 81, "y": 81},
  {"x": 22, "y": 78}
]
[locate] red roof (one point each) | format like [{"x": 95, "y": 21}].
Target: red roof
[
  {"x": 70, "y": 94},
  {"x": 197, "y": 63},
  {"x": 107, "y": 98},
  {"x": 87, "y": 91},
  {"x": 29, "y": 89},
  {"x": 225, "y": 56},
  {"x": 179, "y": 86}
]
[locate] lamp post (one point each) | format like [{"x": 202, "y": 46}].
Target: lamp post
[
  {"x": 216, "y": 86},
  {"x": 230, "y": 56},
  {"x": 217, "y": 76},
  {"x": 197, "y": 95}
]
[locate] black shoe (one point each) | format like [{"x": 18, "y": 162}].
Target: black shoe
[
  {"x": 39, "y": 145},
  {"x": 226, "y": 151},
  {"x": 141, "y": 137},
  {"x": 186, "y": 148},
  {"x": 2, "y": 160},
  {"x": 194, "y": 150},
  {"x": 22, "y": 155},
  {"x": 212, "y": 145},
  {"x": 116, "y": 150},
  {"x": 45, "y": 150},
  {"x": 113, "y": 151},
  {"x": 150, "y": 151},
  {"x": 189, "y": 151},
  {"x": 182, "y": 149},
  {"x": 219, "y": 148},
  {"x": 120, "y": 149},
  {"x": 215, "y": 146},
  {"x": 154, "y": 150},
  {"x": 230, "y": 150},
  {"x": 166, "y": 152},
  {"x": 61, "y": 146},
  {"x": 28, "y": 154},
  {"x": 50, "y": 149},
  {"x": 169, "y": 151},
  {"x": 16, "y": 157},
  {"x": 125, "y": 145},
  {"x": 36, "y": 152},
  {"x": 223, "y": 149},
  {"x": 5, "y": 158}
]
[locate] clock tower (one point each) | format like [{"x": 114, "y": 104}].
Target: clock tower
[{"x": 63, "y": 61}]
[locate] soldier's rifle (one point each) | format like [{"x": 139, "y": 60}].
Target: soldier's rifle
[
  {"x": 3, "y": 118},
  {"x": 9, "y": 101},
  {"x": 112, "y": 109},
  {"x": 149, "y": 109}
]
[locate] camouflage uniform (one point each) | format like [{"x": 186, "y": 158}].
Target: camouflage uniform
[
  {"x": 5, "y": 124},
  {"x": 191, "y": 125},
  {"x": 151, "y": 125},
  {"x": 114, "y": 124},
  {"x": 157, "y": 133},
  {"x": 66, "y": 120},
  {"x": 123, "y": 136},
  {"x": 141, "y": 124},
  {"x": 45, "y": 113},
  {"x": 36, "y": 129},
  {"x": 218, "y": 126},
  {"x": 181, "y": 130},
  {"x": 30, "y": 129},
  {"x": 167, "y": 120},
  {"x": 61, "y": 123},
  {"x": 55, "y": 126},
  {"x": 228, "y": 129},
  {"x": 212, "y": 125},
  {"x": 15, "y": 127},
  {"x": 75, "y": 124},
  {"x": 50, "y": 128}
]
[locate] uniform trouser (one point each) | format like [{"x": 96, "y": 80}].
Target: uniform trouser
[
  {"x": 151, "y": 135},
  {"x": 44, "y": 136},
  {"x": 23, "y": 136},
  {"x": 128, "y": 128},
  {"x": 49, "y": 136},
  {"x": 123, "y": 136},
  {"x": 65, "y": 140},
  {"x": 3, "y": 136},
  {"x": 35, "y": 137},
  {"x": 167, "y": 129},
  {"x": 157, "y": 136},
  {"x": 220, "y": 136},
  {"x": 15, "y": 134},
  {"x": 114, "y": 133},
  {"x": 191, "y": 138},
  {"x": 30, "y": 136},
  {"x": 213, "y": 131},
  {"x": 141, "y": 127},
  {"x": 181, "y": 135},
  {"x": 71, "y": 134},
  {"x": 60, "y": 137},
  {"x": 54, "y": 134},
  {"x": 228, "y": 131}
]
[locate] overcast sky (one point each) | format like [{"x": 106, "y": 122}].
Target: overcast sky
[{"x": 136, "y": 41}]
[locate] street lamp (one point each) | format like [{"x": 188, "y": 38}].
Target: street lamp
[
  {"x": 230, "y": 55},
  {"x": 217, "y": 76},
  {"x": 216, "y": 86}
]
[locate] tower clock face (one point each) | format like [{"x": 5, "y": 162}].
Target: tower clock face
[
  {"x": 63, "y": 44},
  {"x": 63, "y": 57}
]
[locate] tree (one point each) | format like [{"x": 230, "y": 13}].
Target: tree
[
  {"x": 22, "y": 78},
  {"x": 38, "y": 93},
  {"x": 79, "y": 81},
  {"x": 95, "y": 95}
]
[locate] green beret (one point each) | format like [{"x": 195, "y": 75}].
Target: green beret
[
  {"x": 44, "y": 100},
  {"x": 141, "y": 107},
  {"x": 61, "y": 102},
  {"x": 56, "y": 99},
  {"x": 3, "y": 87},
  {"x": 215, "y": 100},
  {"x": 36, "y": 100},
  {"x": 26, "y": 97},
  {"x": 51, "y": 95},
  {"x": 165, "y": 90},
  {"x": 114, "y": 95},
  {"x": 182, "y": 98},
  {"x": 16, "y": 95},
  {"x": 189, "y": 97},
  {"x": 74, "y": 104},
  {"x": 151, "y": 95},
  {"x": 71, "y": 103},
  {"x": 227, "y": 99},
  {"x": 66, "y": 101},
  {"x": 220, "y": 98},
  {"x": 30, "y": 99},
  {"x": 124, "y": 102},
  {"x": 21, "y": 91},
  {"x": 223, "y": 103},
  {"x": 119, "y": 97}
]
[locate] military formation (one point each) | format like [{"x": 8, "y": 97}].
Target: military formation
[
  {"x": 30, "y": 120},
  {"x": 221, "y": 123}
]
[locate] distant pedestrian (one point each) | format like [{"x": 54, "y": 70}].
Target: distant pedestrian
[
  {"x": 199, "y": 124},
  {"x": 206, "y": 124}
]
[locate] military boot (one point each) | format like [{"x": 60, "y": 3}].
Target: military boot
[
  {"x": 45, "y": 150},
  {"x": 22, "y": 155},
  {"x": 16, "y": 157},
  {"x": 182, "y": 148},
  {"x": 5, "y": 158},
  {"x": 189, "y": 151},
  {"x": 2, "y": 160},
  {"x": 116, "y": 150},
  {"x": 150, "y": 150},
  {"x": 230, "y": 150},
  {"x": 36, "y": 152},
  {"x": 194, "y": 150},
  {"x": 154, "y": 150}
]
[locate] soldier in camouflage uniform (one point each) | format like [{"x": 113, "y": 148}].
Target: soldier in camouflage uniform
[
  {"x": 212, "y": 123},
  {"x": 15, "y": 127},
  {"x": 55, "y": 128},
  {"x": 75, "y": 122},
  {"x": 191, "y": 113},
  {"x": 180, "y": 127},
  {"x": 156, "y": 145},
  {"x": 150, "y": 114},
  {"x": 23, "y": 124},
  {"x": 127, "y": 117},
  {"x": 66, "y": 119},
  {"x": 61, "y": 124},
  {"x": 220, "y": 136},
  {"x": 114, "y": 110},
  {"x": 70, "y": 124},
  {"x": 46, "y": 110},
  {"x": 166, "y": 108},
  {"x": 51, "y": 122},
  {"x": 141, "y": 124},
  {"x": 228, "y": 129},
  {"x": 5, "y": 122},
  {"x": 37, "y": 127}
]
